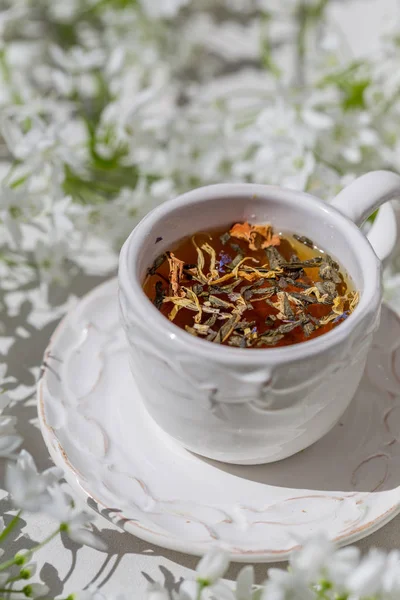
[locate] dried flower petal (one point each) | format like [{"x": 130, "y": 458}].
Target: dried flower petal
[
  {"x": 257, "y": 236},
  {"x": 175, "y": 272}
]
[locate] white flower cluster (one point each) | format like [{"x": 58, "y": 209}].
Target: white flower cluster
[
  {"x": 35, "y": 492},
  {"x": 110, "y": 107},
  {"x": 42, "y": 492},
  {"x": 317, "y": 571}
]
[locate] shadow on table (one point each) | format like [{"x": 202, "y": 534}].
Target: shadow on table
[{"x": 25, "y": 354}]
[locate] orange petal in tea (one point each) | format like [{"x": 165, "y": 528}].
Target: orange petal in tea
[
  {"x": 241, "y": 231},
  {"x": 267, "y": 233},
  {"x": 175, "y": 273},
  {"x": 250, "y": 298},
  {"x": 258, "y": 236}
]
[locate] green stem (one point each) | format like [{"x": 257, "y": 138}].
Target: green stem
[
  {"x": 13, "y": 579},
  {"x": 8, "y": 563},
  {"x": 17, "y": 558},
  {"x": 202, "y": 585},
  {"x": 306, "y": 16},
  {"x": 18, "y": 182},
  {"x": 10, "y": 526},
  {"x": 5, "y": 71},
  {"x": 266, "y": 49},
  {"x": 5, "y": 591},
  {"x": 301, "y": 42}
]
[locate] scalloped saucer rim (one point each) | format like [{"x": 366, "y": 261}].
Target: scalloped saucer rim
[{"x": 144, "y": 482}]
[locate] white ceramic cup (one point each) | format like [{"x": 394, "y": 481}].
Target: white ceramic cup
[{"x": 251, "y": 406}]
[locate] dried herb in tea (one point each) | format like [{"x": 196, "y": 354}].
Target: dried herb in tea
[{"x": 248, "y": 287}]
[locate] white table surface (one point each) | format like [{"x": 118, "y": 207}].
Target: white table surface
[{"x": 129, "y": 562}]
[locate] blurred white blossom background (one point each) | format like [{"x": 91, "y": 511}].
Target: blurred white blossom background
[{"x": 109, "y": 107}]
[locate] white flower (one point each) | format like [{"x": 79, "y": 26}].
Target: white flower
[
  {"x": 50, "y": 261},
  {"x": 341, "y": 565},
  {"x": 325, "y": 182},
  {"x": 28, "y": 570},
  {"x": 366, "y": 579},
  {"x": 73, "y": 520},
  {"x": 64, "y": 12},
  {"x": 391, "y": 575},
  {"x": 44, "y": 147},
  {"x": 61, "y": 216},
  {"x": 245, "y": 583},
  {"x": 115, "y": 220},
  {"x": 188, "y": 590},
  {"x": 284, "y": 585},
  {"x": 143, "y": 108},
  {"x": 319, "y": 560},
  {"x": 18, "y": 207},
  {"x": 78, "y": 532},
  {"x": 212, "y": 566},
  {"x": 220, "y": 591},
  {"x": 28, "y": 488},
  {"x": 163, "y": 8},
  {"x": 277, "y": 149},
  {"x": 163, "y": 189},
  {"x": 310, "y": 560},
  {"x": 353, "y": 138},
  {"x": 75, "y": 69},
  {"x": 77, "y": 59},
  {"x": 9, "y": 440}
]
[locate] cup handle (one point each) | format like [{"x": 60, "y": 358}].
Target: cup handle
[{"x": 362, "y": 197}]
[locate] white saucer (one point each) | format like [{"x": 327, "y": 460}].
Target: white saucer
[{"x": 93, "y": 422}]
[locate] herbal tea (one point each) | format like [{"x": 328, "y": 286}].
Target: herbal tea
[{"x": 249, "y": 287}]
